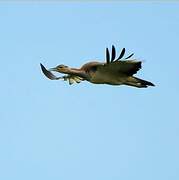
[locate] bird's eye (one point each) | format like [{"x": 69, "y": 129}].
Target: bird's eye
[{"x": 60, "y": 66}]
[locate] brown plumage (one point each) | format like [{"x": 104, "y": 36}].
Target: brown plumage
[{"x": 114, "y": 71}]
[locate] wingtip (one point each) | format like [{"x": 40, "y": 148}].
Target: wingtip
[
  {"x": 113, "y": 47},
  {"x": 149, "y": 84},
  {"x": 153, "y": 85},
  {"x": 42, "y": 66},
  {"x": 47, "y": 73}
]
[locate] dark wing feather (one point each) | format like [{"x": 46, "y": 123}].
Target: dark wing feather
[
  {"x": 128, "y": 67},
  {"x": 121, "y": 55},
  {"x": 129, "y": 56},
  {"x": 48, "y": 74},
  {"x": 113, "y": 56},
  {"x": 107, "y": 56},
  {"x": 132, "y": 67}
]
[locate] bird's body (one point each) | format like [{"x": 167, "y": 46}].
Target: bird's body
[
  {"x": 112, "y": 72},
  {"x": 98, "y": 74}
]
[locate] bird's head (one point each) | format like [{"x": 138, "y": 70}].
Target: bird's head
[{"x": 60, "y": 68}]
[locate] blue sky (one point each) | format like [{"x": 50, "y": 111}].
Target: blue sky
[{"x": 50, "y": 130}]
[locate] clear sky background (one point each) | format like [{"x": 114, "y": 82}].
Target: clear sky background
[{"x": 53, "y": 131}]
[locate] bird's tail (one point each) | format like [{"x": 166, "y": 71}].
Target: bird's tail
[{"x": 140, "y": 83}]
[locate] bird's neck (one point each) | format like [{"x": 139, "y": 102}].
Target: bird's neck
[{"x": 78, "y": 72}]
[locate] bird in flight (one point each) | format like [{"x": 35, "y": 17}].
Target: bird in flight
[{"x": 115, "y": 71}]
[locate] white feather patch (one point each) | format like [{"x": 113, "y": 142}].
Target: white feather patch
[{"x": 71, "y": 81}]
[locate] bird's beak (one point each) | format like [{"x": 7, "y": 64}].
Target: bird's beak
[{"x": 53, "y": 69}]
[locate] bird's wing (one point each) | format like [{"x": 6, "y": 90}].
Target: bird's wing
[
  {"x": 72, "y": 79},
  {"x": 128, "y": 67},
  {"x": 120, "y": 65},
  {"x": 48, "y": 74}
]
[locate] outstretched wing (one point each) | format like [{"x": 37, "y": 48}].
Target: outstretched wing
[
  {"x": 48, "y": 74},
  {"x": 113, "y": 55},
  {"x": 129, "y": 67},
  {"x": 119, "y": 65}
]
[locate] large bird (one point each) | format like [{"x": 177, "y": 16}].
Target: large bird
[{"x": 115, "y": 71}]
